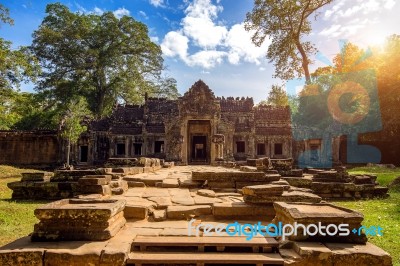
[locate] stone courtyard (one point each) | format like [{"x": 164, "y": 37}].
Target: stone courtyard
[{"x": 155, "y": 215}]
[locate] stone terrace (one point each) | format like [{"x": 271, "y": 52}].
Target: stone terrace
[{"x": 158, "y": 207}]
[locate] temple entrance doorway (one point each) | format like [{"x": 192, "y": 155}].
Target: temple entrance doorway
[{"x": 199, "y": 132}]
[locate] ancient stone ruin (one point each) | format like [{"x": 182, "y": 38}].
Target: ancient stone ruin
[{"x": 141, "y": 211}]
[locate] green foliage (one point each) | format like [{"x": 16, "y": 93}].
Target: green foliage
[
  {"x": 277, "y": 96},
  {"x": 100, "y": 57},
  {"x": 5, "y": 15},
  {"x": 72, "y": 122},
  {"x": 285, "y": 23}
]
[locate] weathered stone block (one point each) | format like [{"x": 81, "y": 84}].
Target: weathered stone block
[
  {"x": 78, "y": 219},
  {"x": 136, "y": 211},
  {"x": 96, "y": 189},
  {"x": 294, "y": 196},
  {"x": 299, "y": 181},
  {"x": 84, "y": 181},
  {"x": 261, "y": 190},
  {"x": 351, "y": 254},
  {"x": 186, "y": 212},
  {"x": 241, "y": 209},
  {"x": 324, "y": 213},
  {"x": 40, "y": 176}
]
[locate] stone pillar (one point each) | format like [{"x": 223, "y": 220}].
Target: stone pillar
[{"x": 218, "y": 140}]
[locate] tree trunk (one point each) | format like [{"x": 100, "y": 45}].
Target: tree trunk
[
  {"x": 305, "y": 61},
  {"x": 68, "y": 149}
]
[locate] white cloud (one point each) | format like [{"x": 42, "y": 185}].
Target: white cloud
[
  {"x": 240, "y": 46},
  {"x": 389, "y": 4},
  {"x": 97, "y": 11},
  {"x": 120, "y": 12},
  {"x": 175, "y": 44},
  {"x": 157, "y": 3},
  {"x": 198, "y": 24},
  {"x": 213, "y": 40},
  {"x": 143, "y": 14},
  {"x": 206, "y": 59}
]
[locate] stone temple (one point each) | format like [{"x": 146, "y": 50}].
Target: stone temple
[{"x": 197, "y": 128}]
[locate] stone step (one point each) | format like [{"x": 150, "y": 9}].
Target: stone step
[
  {"x": 256, "y": 244},
  {"x": 139, "y": 258}
]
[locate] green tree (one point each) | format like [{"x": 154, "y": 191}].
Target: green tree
[
  {"x": 103, "y": 58},
  {"x": 277, "y": 96},
  {"x": 16, "y": 66},
  {"x": 285, "y": 23},
  {"x": 72, "y": 123},
  {"x": 5, "y": 15}
]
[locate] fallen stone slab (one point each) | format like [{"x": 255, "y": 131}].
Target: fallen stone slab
[
  {"x": 170, "y": 183},
  {"x": 136, "y": 211},
  {"x": 188, "y": 183},
  {"x": 284, "y": 183},
  {"x": 293, "y": 196},
  {"x": 186, "y": 212},
  {"x": 206, "y": 193},
  {"x": 351, "y": 254},
  {"x": 303, "y": 182},
  {"x": 161, "y": 202},
  {"x": 263, "y": 190},
  {"x": 135, "y": 184},
  {"x": 249, "y": 169},
  {"x": 228, "y": 176},
  {"x": 241, "y": 209},
  {"x": 182, "y": 200},
  {"x": 320, "y": 213},
  {"x": 201, "y": 200}
]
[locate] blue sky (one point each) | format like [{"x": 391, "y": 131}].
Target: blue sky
[{"x": 205, "y": 39}]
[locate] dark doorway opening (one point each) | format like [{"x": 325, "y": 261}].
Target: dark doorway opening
[
  {"x": 120, "y": 149},
  {"x": 199, "y": 149},
  {"x": 84, "y": 150},
  {"x": 158, "y": 146},
  {"x": 138, "y": 148}
]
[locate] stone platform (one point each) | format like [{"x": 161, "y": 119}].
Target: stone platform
[{"x": 160, "y": 204}]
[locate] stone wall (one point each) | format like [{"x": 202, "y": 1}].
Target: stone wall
[{"x": 33, "y": 148}]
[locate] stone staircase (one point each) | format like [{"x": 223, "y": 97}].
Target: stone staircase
[{"x": 206, "y": 250}]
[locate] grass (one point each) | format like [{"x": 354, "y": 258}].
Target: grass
[
  {"x": 382, "y": 212},
  {"x": 16, "y": 217}
]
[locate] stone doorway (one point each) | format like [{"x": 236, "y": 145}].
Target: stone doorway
[
  {"x": 199, "y": 149},
  {"x": 199, "y": 145},
  {"x": 83, "y": 154}
]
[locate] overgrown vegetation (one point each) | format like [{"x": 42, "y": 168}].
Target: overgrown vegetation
[
  {"x": 16, "y": 217},
  {"x": 382, "y": 212}
]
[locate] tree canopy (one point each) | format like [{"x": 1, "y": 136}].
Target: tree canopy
[
  {"x": 285, "y": 22},
  {"x": 100, "y": 57}
]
